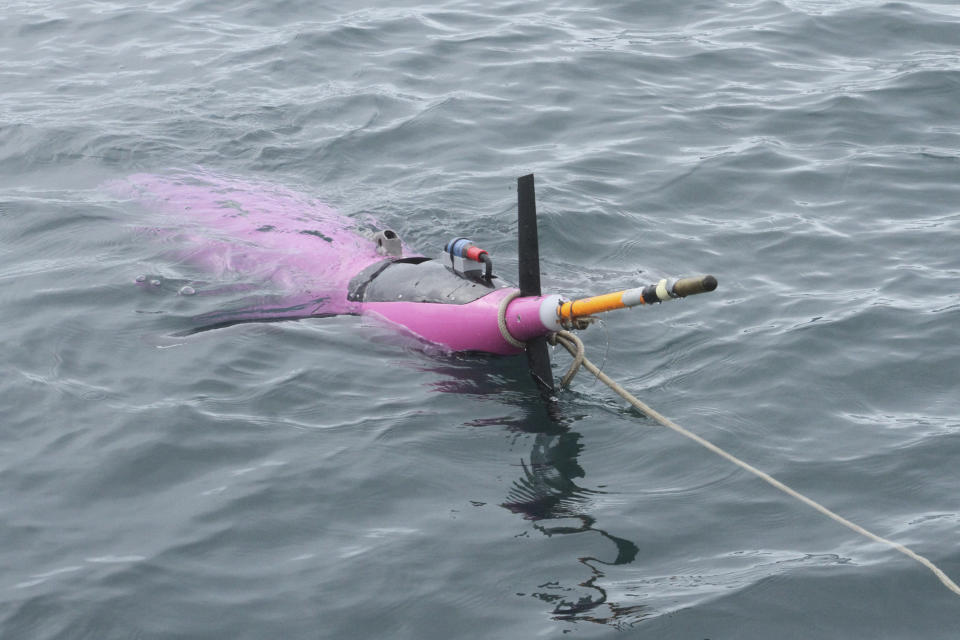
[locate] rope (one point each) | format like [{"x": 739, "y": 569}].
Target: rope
[
  {"x": 573, "y": 344},
  {"x": 577, "y": 353},
  {"x": 502, "y": 320}
]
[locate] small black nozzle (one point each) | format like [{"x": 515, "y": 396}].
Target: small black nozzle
[
  {"x": 698, "y": 284},
  {"x": 488, "y": 266}
]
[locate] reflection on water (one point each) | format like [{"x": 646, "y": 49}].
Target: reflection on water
[{"x": 547, "y": 494}]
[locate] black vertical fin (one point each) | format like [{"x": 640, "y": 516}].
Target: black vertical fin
[
  {"x": 538, "y": 358},
  {"x": 528, "y": 244},
  {"x": 528, "y": 247}
]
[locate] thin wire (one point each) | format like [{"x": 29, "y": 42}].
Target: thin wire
[{"x": 573, "y": 344}]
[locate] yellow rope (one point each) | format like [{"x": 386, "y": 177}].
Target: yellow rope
[{"x": 572, "y": 344}]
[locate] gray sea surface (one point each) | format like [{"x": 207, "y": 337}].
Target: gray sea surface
[{"x": 331, "y": 478}]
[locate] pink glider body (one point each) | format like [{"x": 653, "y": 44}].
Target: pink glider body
[{"x": 308, "y": 253}]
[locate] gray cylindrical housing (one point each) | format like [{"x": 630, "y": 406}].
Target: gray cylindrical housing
[{"x": 697, "y": 284}]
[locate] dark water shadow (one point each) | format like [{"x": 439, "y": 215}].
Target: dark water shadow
[{"x": 550, "y": 493}]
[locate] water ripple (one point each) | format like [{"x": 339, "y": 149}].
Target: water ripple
[{"x": 326, "y": 476}]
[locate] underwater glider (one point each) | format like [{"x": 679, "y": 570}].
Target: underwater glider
[
  {"x": 325, "y": 265},
  {"x": 322, "y": 264}
]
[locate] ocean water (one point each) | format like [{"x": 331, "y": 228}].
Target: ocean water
[{"x": 330, "y": 478}]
